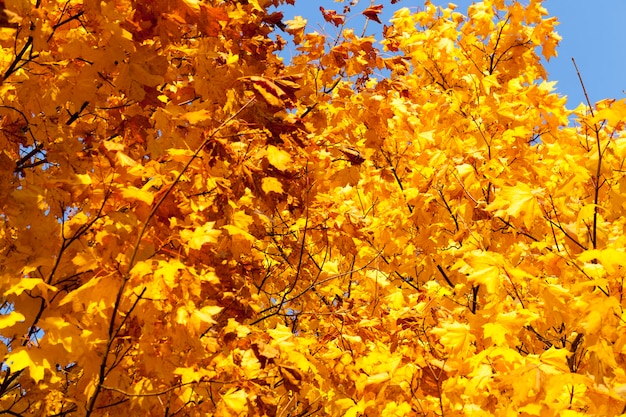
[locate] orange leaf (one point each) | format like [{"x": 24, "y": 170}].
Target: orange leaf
[{"x": 268, "y": 90}]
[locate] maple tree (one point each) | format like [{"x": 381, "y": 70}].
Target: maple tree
[{"x": 193, "y": 226}]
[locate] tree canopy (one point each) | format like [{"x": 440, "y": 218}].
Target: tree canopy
[{"x": 193, "y": 224}]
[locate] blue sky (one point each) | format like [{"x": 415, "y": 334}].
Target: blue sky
[{"x": 594, "y": 33}]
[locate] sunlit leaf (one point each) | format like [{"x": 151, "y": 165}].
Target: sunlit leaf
[
  {"x": 200, "y": 236},
  {"x": 206, "y": 314},
  {"x": 271, "y": 184},
  {"x": 235, "y": 400},
  {"x": 10, "y": 319},
  {"x": 278, "y": 158}
]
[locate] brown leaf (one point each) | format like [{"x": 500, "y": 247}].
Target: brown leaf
[
  {"x": 292, "y": 378},
  {"x": 373, "y": 12}
]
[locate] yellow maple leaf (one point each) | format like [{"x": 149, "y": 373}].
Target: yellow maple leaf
[
  {"x": 27, "y": 359},
  {"x": 134, "y": 193},
  {"x": 250, "y": 364},
  {"x": 198, "y": 116},
  {"x": 271, "y": 184},
  {"x": 482, "y": 268},
  {"x": 496, "y": 332},
  {"x": 125, "y": 160},
  {"x": 10, "y": 319},
  {"x": 613, "y": 113},
  {"x": 242, "y": 220},
  {"x": 279, "y": 158},
  {"x": 556, "y": 358},
  {"x": 236, "y": 400},
  {"x": 268, "y": 90},
  {"x": 187, "y": 375},
  {"x": 280, "y": 335},
  {"x": 611, "y": 259},
  {"x": 234, "y": 326},
  {"x": 377, "y": 379},
  {"x": 517, "y": 201},
  {"x": 141, "y": 269},
  {"x": 456, "y": 337},
  {"x": 585, "y": 216},
  {"x": 236, "y": 231},
  {"x": 395, "y": 409},
  {"x": 296, "y": 28},
  {"x": 200, "y": 236},
  {"x": 206, "y": 313},
  {"x": 193, "y": 4},
  {"x": 167, "y": 271},
  {"x": 20, "y": 285}
]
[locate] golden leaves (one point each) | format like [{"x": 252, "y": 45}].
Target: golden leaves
[
  {"x": 482, "y": 268},
  {"x": 195, "y": 117},
  {"x": 555, "y": 359},
  {"x": 213, "y": 19},
  {"x": 611, "y": 259},
  {"x": 280, "y": 335},
  {"x": 438, "y": 241},
  {"x": 496, "y": 332},
  {"x": 83, "y": 299},
  {"x": 456, "y": 338},
  {"x": 145, "y": 70}
]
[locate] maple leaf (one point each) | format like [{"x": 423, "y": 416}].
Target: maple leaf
[
  {"x": 236, "y": 400},
  {"x": 200, "y": 236},
  {"x": 331, "y": 16},
  {"x": 212, "y": 19},
  {"x": 517, "y": 201},
  {"x": 206, "y": 313},
  {"x": 30, "y": 360},
  {"x": 278, "y": 158},
  {"x": 271, "y": 184},
  {"x": 268, "y": 90},
  {"x": 372, "y": 12},
  {"x": 10, "y": 319},
  {"x": 296, "y": 28}
]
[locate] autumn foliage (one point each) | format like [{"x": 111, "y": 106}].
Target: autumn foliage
[{"x": 194, "y": 224}]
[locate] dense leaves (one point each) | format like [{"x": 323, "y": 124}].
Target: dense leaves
[{"x": 193, "y": 226}]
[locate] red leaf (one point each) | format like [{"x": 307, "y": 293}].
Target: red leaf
[
  {"x": 331, "y": 16},
  {"x": 373, "y": 12}
]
